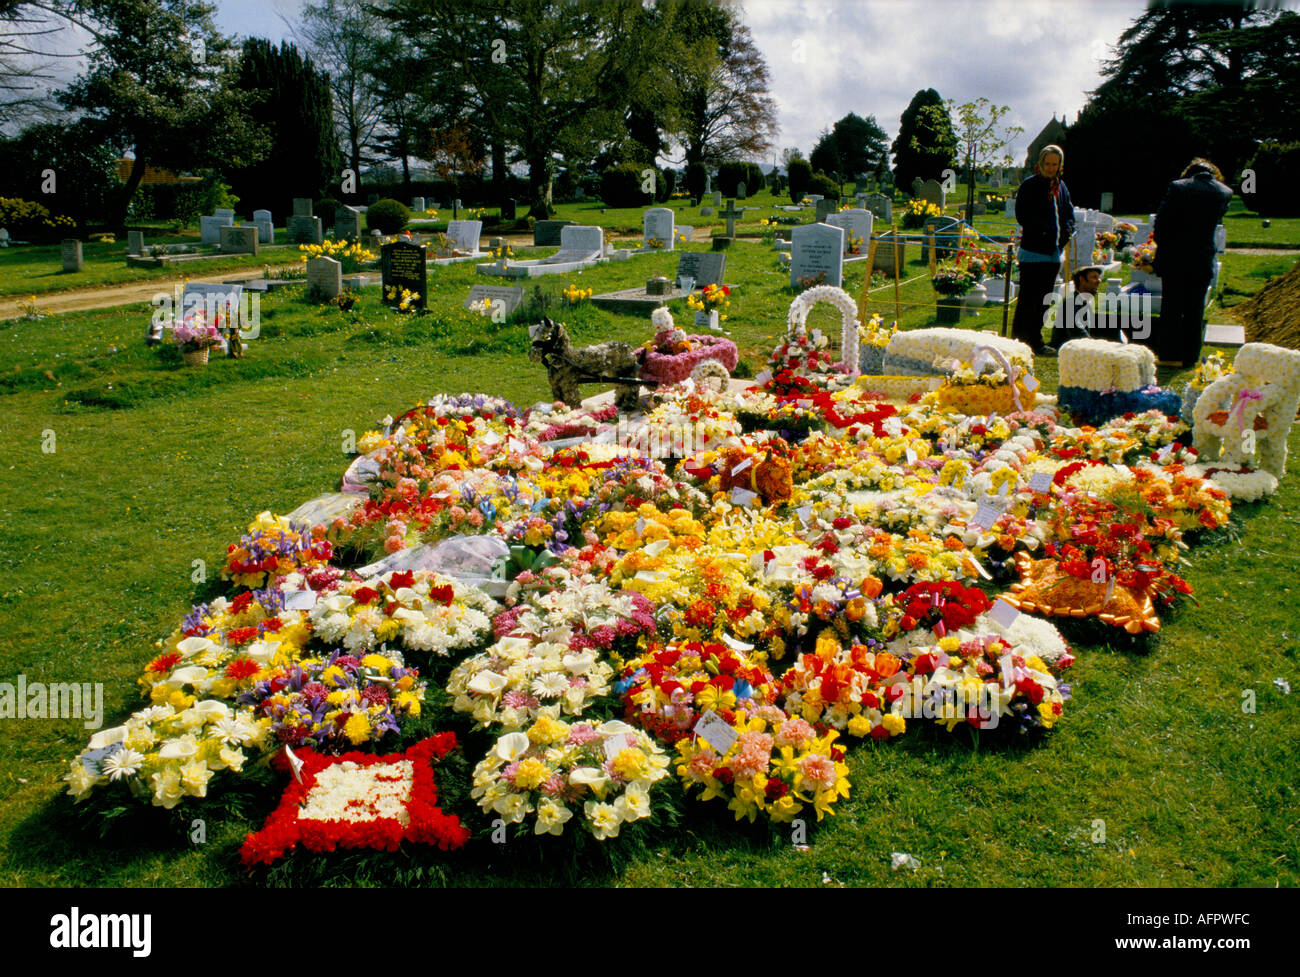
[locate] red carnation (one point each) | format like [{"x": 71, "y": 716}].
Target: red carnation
[
  {"x": 163, "y": 663},
  {"x": 242, "y": 668},
  {"x": 364, "y": 595}
]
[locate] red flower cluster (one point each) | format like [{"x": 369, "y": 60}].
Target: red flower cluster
[
  {"x": 284, "y": 830},
  {"x": 948, "y": 603}
]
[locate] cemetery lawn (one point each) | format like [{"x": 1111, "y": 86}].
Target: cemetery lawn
[
  {"x": 37, "y": 269},
  {"x": 1155, "y": 775}
]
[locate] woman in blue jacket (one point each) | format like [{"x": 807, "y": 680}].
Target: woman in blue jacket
[{"x": 1046, "y": 218}]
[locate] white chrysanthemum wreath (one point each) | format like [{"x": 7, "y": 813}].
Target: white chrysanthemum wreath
[{"x": 796, "y": 323}]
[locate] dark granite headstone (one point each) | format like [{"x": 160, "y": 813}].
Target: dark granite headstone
[
  {"x": 546, "y": 234},
  {"x": 404, "y": 267}
]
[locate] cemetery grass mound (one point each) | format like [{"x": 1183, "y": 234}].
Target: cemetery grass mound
[{"x": 1273, "y": 314}]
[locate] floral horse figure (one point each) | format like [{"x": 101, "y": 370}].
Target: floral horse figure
[
  {"x": 1260, "y": 397},
  {"x": 566, "y": 367}
]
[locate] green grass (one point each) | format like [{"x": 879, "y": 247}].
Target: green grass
[
  {"x": 96, "y": 563},
  {"x": 38, "y": 269}
]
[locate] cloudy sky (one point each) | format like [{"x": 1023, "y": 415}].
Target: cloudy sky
[{"x": 831, "y": 57}]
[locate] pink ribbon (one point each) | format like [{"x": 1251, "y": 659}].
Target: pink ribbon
[{"x": 1244, "y": 396}]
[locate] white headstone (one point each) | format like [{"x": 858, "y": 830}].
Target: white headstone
[
  {"x": 210, "y": 229},
  {"x": 265, "y": 231},
  {"x": 857, "y": 222},
  {"x": 717, "y": 198},
  {"x": 658, "y": 225},
  {"x": 227, "y": 216},
  {"x": 817, "y": 250},
  {"x": 464, "y": 235},
  {"x": 417, "y": 205},
  {"x": 510, "y": 297},
  {"x": 581, "y": 237},
  {"x": 324, "y": 278},
  {"x": 262, "y": 215}
]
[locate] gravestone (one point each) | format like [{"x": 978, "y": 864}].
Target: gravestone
[
  {"x": 657, "y": 224},
  {"x": 457, "y": 205},
  {"x": 135, "y": 242},
  {"x": 404, "y": 266},
  {"x": 546, "y": 234},
  {"x": 70, "y": 252},
  {"x": 304, "y": 230},
  {"x": 582, "y": 239},
  {"x": 706, "y": 267},
  {"x": 729, "y": 214},
  {"x": 302, "y": 207},
  {"x": 1108, "y": 202},
  {"x": 825, "y": 208},
  {"x": 324, "y": 278},
  {"x": 812, "y": 198},
  {"x": 741, "y": 191},
  {"x": 683, "y": 230},
  {"x": 880, "y": 206},
  {"x": 508, "y": 209},
  {"x": 932, "y": 192},
  {"x": 947, "y": 235},
  {"x": 995, "y": 181},
  {"x": 717, "y": 198},
  {"x": 817, "y": 250},
  {"x": 706, "y": 211},
  {"x": 417, "y": 205},
  {"x": 227, "y": 215},
  {"x": 860, "y": 198},
  {"x": 262, "y": 215},
  {"x": 886, "y": 247},
  {"x": 210, "y": 229},
  {"x": 214, "y": 301},
  {"x": 917, "y": 183},
  {"x": 464, "y": 235},
  {"x": 1009, "y": 207},
  {"x": 708, "y": 183},
  {"x": 347, "y": 224},
  {"x": 239, "y": 240},
  {"x": 781, "y": 244},
  {"x": 858, "y": 222},
  {"x": 509, "y": 296},
  {"x": 265, "y": 231}
]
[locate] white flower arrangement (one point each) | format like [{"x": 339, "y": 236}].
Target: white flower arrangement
[
  {"x": 609, "y": 769},
  {"x": 421, "y": 622},
  {"x": 796, "y": 320},
  {"x": 1100, "y": 365},
  {"x": 1242, "y": 486},
  {"x": 169, "y": 753},
  {"x": 662, "y": 319},
  {"x": 1267, "y": 382},
  {"x": 917, "y": 350}
]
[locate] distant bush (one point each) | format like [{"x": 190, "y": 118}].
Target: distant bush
[
  {"x": 385, "y": 216},
  {"x": 696, "y": 175},
  {"x": 325, "y": 208},
  {"x": 823, "y": 184},
  {"x": 733, "y": 172},
  {"x": 800, "y": 176},
  {"x": 620, "y": 186},
  {"x": 30, "y": 221},
  {"x": 1275, "y": 166}
]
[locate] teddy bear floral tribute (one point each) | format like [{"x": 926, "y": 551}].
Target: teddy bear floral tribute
[{"x": 647, "y": 632}]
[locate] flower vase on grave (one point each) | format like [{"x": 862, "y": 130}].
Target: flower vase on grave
[
  {"x": 948, "y": 308},
  {"x": 975, "y": 299}
]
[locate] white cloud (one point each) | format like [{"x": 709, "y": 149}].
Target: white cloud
[{"x": 871, "y": 57}]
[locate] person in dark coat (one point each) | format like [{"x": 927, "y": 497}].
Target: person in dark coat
[
  {"x": 1045, "y": 214},
  {"x": 1184, "y": 233}
]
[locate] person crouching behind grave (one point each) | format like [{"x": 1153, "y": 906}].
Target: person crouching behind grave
[
  {"x": 1045, "y": 214},
  {"x": 1075, "y": 315},
  {"x": 1184, "y": 233}
]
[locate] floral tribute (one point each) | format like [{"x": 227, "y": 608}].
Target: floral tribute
[
  {"x": 360, "y": 800},
  {"x": 606, "y": 772},
  {"x": 737, "y": 621}
]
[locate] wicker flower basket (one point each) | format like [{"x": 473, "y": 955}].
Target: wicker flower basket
[{"x": 195, "y": 357}]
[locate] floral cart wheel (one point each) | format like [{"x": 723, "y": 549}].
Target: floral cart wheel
[
  {"x": 711, "y": 375},
  {"x": 796, "y": 323}
]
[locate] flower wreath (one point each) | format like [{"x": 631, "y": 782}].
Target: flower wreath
[
  {"x": 359, "y": 800},
  {"x": 842, "y": 300}
]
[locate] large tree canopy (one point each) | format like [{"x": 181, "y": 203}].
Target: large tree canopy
[
  {"x": 925, "y": 145},
  {"x": 160, "y": 84}
]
